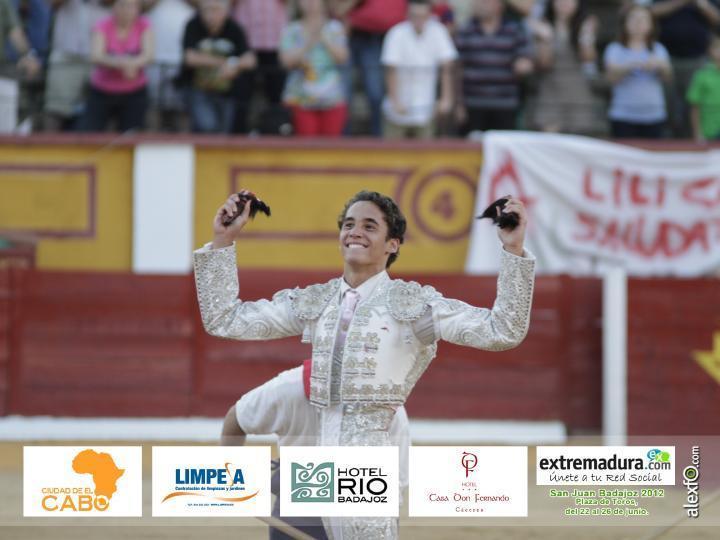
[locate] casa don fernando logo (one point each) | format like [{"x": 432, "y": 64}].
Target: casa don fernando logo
[{"x": 469, "y": 461}]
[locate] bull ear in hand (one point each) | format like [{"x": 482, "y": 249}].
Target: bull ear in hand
[
  {"x": 256, "y": 205},
  {"x": 504, "y": 220}
]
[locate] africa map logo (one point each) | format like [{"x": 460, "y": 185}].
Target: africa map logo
[
  {"x": 77, "y": 481},
  {"x": 105, "y": 475}
]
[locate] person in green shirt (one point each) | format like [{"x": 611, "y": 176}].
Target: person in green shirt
[{"x": 704, "y": 96}]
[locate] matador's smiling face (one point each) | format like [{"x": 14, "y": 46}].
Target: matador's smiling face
[{"x": 364, "y": 236}]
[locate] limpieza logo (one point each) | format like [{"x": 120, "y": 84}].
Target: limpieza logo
[
  {"x": 221, "y": 484},
  {"x": 190, "y": 481}
]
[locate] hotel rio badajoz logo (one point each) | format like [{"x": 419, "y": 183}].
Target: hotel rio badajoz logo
[
  {"x": 91, "y": 481},
  {"x": 339, "y": 481}
]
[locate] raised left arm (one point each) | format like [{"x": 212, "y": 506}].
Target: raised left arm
[
  {"x": 500, "y": 328},
  {"x": 506, "y": 324}
]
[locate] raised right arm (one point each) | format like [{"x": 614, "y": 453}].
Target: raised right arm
[{"x": 225, "y": 315}]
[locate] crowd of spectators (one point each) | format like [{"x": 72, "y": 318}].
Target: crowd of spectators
[{"x": 392, "y": 68}]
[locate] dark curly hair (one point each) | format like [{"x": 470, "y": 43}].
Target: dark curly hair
[{"x": 394, "y": 218}]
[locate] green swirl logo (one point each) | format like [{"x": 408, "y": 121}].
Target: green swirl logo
[{"x": 312, "y": 483}]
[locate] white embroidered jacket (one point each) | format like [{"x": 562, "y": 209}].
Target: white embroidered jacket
[{"x": 392, "y": 337}]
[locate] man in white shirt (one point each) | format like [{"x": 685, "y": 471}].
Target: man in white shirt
[
  {"x": 281, "y": 407},
  {"x": 372, "y": 336},
  {"x": 412, "y": 53},
  {"x": 168, "y": 19}
]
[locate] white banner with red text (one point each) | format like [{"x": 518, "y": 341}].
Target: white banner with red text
[{"x": 593, "y": 205}]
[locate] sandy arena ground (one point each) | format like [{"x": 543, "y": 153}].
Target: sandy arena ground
[{"x": 542, "y": 523}]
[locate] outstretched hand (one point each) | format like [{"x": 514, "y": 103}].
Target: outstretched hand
[
  {"x": 514, "y": 240},
  {"x": 225, "y": 235}
]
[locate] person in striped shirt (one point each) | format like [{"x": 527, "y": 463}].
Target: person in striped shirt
[{"x": 495, "y": 54}]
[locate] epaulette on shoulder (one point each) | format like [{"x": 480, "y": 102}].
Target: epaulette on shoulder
[
  {"x": 407, "y": 300},
  {"x": 308, "y": 303}
]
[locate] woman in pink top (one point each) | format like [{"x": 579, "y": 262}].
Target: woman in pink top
[{"x": 122, "y": 45}]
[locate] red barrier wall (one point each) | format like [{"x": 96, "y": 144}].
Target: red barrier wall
[
  {"x": 5, "y": 318},
  {"x": 13, "y": 261},
  {"x": 673, "y": 323},
  {"x": 126, "y": 345}
]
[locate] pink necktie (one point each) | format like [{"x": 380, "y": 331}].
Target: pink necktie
[
  {"x": 347, "y": 310},
  {"x": 349, "y": 303}
]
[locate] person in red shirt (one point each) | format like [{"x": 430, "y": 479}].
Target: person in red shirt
[{"x": 368, "y": 21}]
